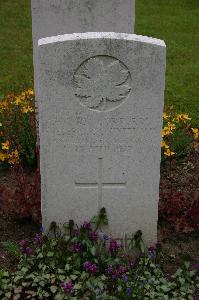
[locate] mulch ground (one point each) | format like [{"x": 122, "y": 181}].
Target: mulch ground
[{"x": 175, "y": 246}]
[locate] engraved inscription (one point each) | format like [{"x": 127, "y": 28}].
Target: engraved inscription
[{"x": 102, "y": 83}]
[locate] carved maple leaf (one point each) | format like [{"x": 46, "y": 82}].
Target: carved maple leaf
[{"x": 101, "y": 81}]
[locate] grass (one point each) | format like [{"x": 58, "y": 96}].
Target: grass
[
  {"x": 175, "y": 21},
  {"x": 16, "y": 68}
]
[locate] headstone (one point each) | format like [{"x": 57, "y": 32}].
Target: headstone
[
  {"x": 100, "y": 109},
  {"x": 55, "y": 17}
]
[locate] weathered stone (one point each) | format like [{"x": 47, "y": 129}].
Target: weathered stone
[
  {"x": 54, "y": 17},
  {"x": 100, "y": 109}
]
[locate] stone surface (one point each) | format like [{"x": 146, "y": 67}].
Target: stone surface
[
  {"x": 100, "y": 109},
  {"x": 54, "y": 17}
]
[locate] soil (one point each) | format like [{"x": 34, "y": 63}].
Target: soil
[{"x": 175, "y": 246}]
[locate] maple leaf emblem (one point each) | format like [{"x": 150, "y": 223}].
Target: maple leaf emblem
[{"x": 102, "y": 82}]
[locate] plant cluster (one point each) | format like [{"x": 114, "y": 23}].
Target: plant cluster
[
  {"x": 17, "y": 129},
  {"x": 178, "y": 137},
  {"x": 82, "y": 262}
]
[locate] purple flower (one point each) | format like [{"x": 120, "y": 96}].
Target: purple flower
[
  {"x": 22, "y": 243},
  {"x": 93, "y": 235},
  {"x": 152, "y": 248},
  {"x": 67, "y": 287},
  {"x": 152, "y": 252},
  {"x": 109, "y": 270},
  {"x": 76, "y": 247},
  {"x": 113, "y": 246},
  {"x": 129, "y": 291},
  {"x": 103, "y": 236},
  {"x": 124, "y": 277},
  {"x": 121, "y": 270},
  {"x": 91, "y": 267},
  {"x": 29, "y": 251},
  {"x": 24, "y": 249},
  {"x": 196, "y": 266},
  {"x": 38, "y": 240},
  {"x": 86, "y": 225}
]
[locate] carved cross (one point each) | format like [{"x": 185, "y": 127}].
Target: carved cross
[{"x": 100, "y": 184}]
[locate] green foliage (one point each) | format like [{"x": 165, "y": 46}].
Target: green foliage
[
  {"x": 78, "y": 262},
  {"x": 11, "y": 247},
  {"x": 182, "y": 142}
]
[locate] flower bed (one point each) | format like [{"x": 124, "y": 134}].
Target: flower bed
[{"x": 84, "y": 263}]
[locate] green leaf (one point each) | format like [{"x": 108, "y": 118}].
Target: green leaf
[
  {"x": 142, "y": 246},
  {"x": 77, "y": 286},
  {"x": 165, "y": 288},
  {"x": 53, "y": 289},
  {"x": 187, "y": 264},
  {"x": 73, "y": 277},
  {"x": 93, "y": 251},
  {"x": 67, "y": 267}
]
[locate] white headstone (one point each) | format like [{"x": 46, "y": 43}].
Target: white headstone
[
  {"x": 55, "y": 17},
  {"x": 100, "y": 108}
]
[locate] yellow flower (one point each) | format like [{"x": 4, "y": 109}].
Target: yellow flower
[
  {"x": 3, "y": 156},
  {"x": 167, "y": 130},
  {"x": 6, "y": 145},
  {"x": 30, "y": 92},
  {"x": 165, "y": 116},
  {"x": 195, "y": 133},
  {"x": 164, "y": 145},
  {"x": 182, "y": 117},
  {"x": 168, "y": 152},
  {"x": 13, "y": 157},
  {"x": 17, "y": 100},
  {"x": 171, "y": 126},
  {"x": 27, "y": 109},
  {"x": 1, "y": 124}
]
